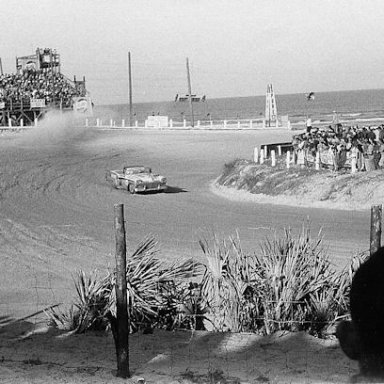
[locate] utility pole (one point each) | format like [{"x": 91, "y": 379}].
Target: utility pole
[
  {"x": 190, "y": 94},
  {"x": 1, "y": 67},
  {"x": 130, "y": 89}
]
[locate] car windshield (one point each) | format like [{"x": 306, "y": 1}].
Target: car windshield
[{"x": 135, "y": 171}]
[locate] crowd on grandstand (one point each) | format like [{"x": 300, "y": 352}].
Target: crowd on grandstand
[
  {"x": 337, "y": 146},
  {"x": 47, "y": 85}
]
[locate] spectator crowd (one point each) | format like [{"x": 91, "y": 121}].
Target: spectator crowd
[
  {"x": 338, "y": 146},
  {"x": 47, "y": 85}
]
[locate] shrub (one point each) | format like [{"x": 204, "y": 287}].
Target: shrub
[
  {"x": 154, "y": 294},
  {"x": 289, "y": 285}
]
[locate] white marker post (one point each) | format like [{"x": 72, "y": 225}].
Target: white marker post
[
  {"x": 261, "y": 156},
  {"x": 273, "y": 158},
  {"x": 279, "y": 150},
  {"x": 317, "y": 163},
  {"x": 265, "y": 151},
  {"x": 353, "y": 165},
  {"x": 256, "y": 155},
  {"x": 288, "y": 159}
]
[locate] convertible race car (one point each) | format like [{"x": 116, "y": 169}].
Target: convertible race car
[{"x": 138, "y": 179}]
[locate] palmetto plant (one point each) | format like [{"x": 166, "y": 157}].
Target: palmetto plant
[
  {"x": 289, "y": 285},
  {"x": 148, "y": 295}
]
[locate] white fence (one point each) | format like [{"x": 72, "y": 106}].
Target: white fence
[{"x": 204, "y": 125}]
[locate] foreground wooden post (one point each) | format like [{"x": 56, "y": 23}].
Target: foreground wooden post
[
  {"x": 279, "y": 150},
  {"x": 262, "y": 156},
  {"x": 288, "y": 161},
  {"x": 122, "y": 330},
  {"x": 317, "y": 162},
  {"x": 375, "y": 237}
]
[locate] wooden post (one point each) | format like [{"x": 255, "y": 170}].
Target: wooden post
[
  {"x": 190, "y": 94},
  {"x": 130, "y": 89},
  {"x": 317, "y": 162},
  {"x": 265, "y": 152},
  {"x": 279, "y": 150},
  {"x": 256, "y": 155},
  {"x": 122, "y": 321},
  {"x": 250, "y": 124},
  {"x": 288, "y": 159},
  {"x": 123, "y": 123},
  {"x": 375, "y": 237}
]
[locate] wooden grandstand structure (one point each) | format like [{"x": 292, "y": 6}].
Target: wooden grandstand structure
[{"x": 25, "y": 109}]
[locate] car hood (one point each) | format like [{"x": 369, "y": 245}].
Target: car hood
[{"x": 144, "y": 177}]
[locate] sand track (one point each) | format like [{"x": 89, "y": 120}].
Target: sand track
[{"x": 57, "y": 207}]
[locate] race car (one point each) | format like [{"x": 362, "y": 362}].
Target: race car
[{"x": 138, "y": 179}]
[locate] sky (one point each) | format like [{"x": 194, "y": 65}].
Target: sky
[{"x": 235, "y": 48}]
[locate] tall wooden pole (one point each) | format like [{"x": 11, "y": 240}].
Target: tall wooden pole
[
  {"x": 190, "y": 94},
  {"x": 130, "y": 90},
  {"x": 122, "y": 348}
]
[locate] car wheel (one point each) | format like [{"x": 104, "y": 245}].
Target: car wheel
[{"x": 131, "y": 188}]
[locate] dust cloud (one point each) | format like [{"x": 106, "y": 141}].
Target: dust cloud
[{"x": 55, "y": 128}]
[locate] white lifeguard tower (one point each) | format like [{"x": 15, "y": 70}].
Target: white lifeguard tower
[{"x": 270, "y": 106}]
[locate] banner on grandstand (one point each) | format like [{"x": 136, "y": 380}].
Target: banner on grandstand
[
  {"x": 82, "y": 106},
  {"x": 37, "y": 103}
]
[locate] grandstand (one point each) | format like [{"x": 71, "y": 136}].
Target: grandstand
[{"x": 37, "y": 87}]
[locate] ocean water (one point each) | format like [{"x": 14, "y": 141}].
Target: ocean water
[{"x": 349, "y": 105}]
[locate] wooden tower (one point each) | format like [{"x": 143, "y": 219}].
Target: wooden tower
[{"x": 270, "y": 106}]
